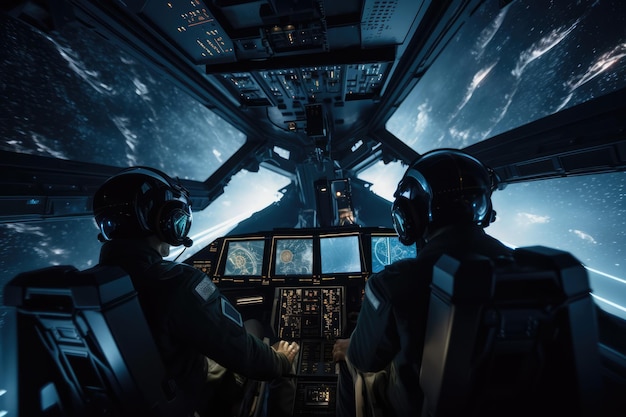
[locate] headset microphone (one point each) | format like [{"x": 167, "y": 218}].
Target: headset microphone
[{"x": 187, "y": 242}]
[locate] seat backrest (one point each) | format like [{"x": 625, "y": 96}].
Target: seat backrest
[
  {"x": 84, "y": 347},
  {"x": 517, "y": 339}
]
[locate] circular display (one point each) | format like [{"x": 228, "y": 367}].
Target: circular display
[
  {"x": 242, "y": 262},
  {"x": 286, "y": 256}
]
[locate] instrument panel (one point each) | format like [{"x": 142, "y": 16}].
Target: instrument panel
[{"x": 307, "y": 285}]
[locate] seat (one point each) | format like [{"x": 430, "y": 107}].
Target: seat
[
  {"x": 84, "y": 347},
  {"x": 516, "y": 338}
]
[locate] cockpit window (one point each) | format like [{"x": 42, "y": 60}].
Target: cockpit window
[
  {"x": 246, "y": 193},
  {"x": 28, "y": 246},
  {"x": 112, "y": 109},
  {"x": 578, "y": 214},
  {"x": 384, "y": 178},
  {"x": 508, "y": 67}
]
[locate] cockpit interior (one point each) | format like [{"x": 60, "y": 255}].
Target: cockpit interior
[{"x": 290, "y": 123}]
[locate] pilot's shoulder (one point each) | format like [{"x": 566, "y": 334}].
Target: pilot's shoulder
[
  {"x": 169, "y": 270},
  {"x": 400, "y": 276},
  {"x": 191, "y": 279},
  {"x": 400, "y": 269}
]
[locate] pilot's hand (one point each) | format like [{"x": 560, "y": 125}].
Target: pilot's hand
[
  {"x": 288, "y": 349},
  {"x": 340, "y": 349}
]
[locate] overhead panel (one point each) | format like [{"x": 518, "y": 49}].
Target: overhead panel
[
  {"x": 192, "y": 28},
  {"x": 387, "y": 22},
  {"x": 364, "y": 81},
  {"x": 284, "y": 55},
  {"x": 297, "y": 37},
  {"x": 246, "y": 89},
  {"x": 327, "y": 83},
  {"x": 242, "y": 14}
]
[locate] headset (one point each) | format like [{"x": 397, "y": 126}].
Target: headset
[
  {"x": 441, "y": 187},
  {"x": 141, "y": 201}
]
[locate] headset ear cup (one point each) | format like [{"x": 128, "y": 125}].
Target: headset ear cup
[
  {"x": 411, "y": 208},
  {"x": 491, "y": 217},
  {"x": 107, "y": 229},
  {"x": 402, "y": 222},
  {"x": 172, "y": 222}
]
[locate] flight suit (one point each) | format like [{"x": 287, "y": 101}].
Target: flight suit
[
  {"x": 192, "y": 321},
  {"x": 389, "y": 334}
]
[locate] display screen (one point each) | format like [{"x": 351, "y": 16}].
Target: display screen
[
  {"x": 340, "y": 254},
  {"x": 244, "y": 257},
  {"x": 387, "y": 250},
  {"x": 293, "y": 256}
]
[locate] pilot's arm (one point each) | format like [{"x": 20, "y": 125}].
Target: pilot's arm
[
  {"x": 374, "y": 342},
  {"x": 216, "y": 328}
]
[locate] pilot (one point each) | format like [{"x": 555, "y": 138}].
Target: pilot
[
  {"x": 442, "y": 203},
  {"x": 141, "y": 212}
]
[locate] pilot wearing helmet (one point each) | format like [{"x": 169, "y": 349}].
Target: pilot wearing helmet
[
  {"x": 141, "y": 212},
  {"x": 442, "y": 203}
]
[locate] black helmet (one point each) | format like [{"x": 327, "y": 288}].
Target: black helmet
[
  {"x": 442, "y": 187},
  {"x": 142, "y": 201}
]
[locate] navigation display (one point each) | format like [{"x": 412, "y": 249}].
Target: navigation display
[
  {"x": 244, "y": 257},
  {"x": 293, "y": 256},
  {"x": 388, "y": 249},
  {"x": 340, "y": 254}
]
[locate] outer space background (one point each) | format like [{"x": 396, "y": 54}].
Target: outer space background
[{"x": 72, "y": 96}]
